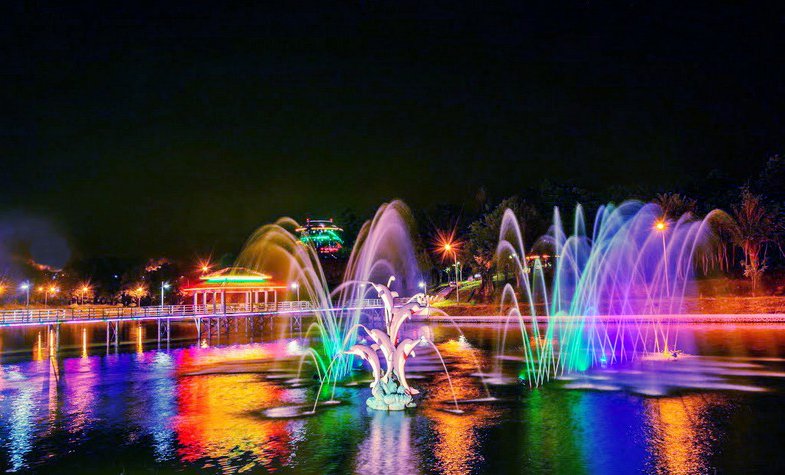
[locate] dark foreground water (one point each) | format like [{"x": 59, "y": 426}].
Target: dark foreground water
[{"x": 199, "y": 408}]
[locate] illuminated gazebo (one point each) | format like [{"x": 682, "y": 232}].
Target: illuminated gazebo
[{"x": 235, "y": 285}]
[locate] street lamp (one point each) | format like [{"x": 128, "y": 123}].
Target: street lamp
[
  {"x": 139, "y": 291},
  {"x": 457, "y": 280},
  {"x": 424, "y": 289},
  {"x": 26, "y": 287},
  {"x": 661, "y": 226},
  {"x": 449, "y": 246},
  {"x": 296, "y": 286},
  {"x": 48, "y": 290},
  {"x": 204, "y": 266},
  {"x": 84, "y": 290},
  {"x": 164, "y": 286}
]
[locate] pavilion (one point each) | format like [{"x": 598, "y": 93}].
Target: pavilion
[{"x": 235, "y": 286}]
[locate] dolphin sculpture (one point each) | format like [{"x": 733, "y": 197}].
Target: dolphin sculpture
[
  {"x": 382, "y": 342},
  {"x": 387, "y": 297},
  {"x": 412, "y": 306},
  {"x": 399, "y": 316},
  {"x": 403, "y": 351},
  {"x": 369, "y": 355}
]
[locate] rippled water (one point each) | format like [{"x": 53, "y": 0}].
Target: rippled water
[{"x": 199, "y": 408}]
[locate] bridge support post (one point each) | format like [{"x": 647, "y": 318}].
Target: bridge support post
[
  {"x": 164, "y": 325},
  {"x": 112, "y": 334},
  {"x": 53, "y": 338}
]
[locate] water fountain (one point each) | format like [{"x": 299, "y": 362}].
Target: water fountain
[
  {"x": 383, "y": 252},
  {"x": 609, "y": 293},
  {"x": 604, "y": 301}
]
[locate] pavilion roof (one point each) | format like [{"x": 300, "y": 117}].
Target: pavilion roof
[{"x": 235, "y": 278}]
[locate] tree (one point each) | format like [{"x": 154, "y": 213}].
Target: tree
[
  {"x": 754, "y": 228},
  {"x": 770, "y": 182},
  {"x": 674, "y": 205},
  {"x": 483, "y": 238}
]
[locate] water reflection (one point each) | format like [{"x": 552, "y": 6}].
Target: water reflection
[
  {"x": 214, "y": 419},
  {"x": 388, "y": 445},
  {"x": 681, "y": 432},
  {"x": 21, "y": 424},
  {"x": 201, "y": 409}
]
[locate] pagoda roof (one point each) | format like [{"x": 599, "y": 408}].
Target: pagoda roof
[{"x": 235, "y": 278}]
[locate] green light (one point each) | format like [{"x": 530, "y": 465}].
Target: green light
[{"x": 236, "y": 278}]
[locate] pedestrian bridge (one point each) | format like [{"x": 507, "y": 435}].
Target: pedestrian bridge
[{"x": 76, "y": 315}]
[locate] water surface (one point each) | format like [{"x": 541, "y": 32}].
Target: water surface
[{"x": 199, "y": 407}]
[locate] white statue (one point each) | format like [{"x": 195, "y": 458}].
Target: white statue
[
  {"x": 382, "y": 342},
  {"x": 403, "y": 351},
  {"x": 390, "y": 391},
  {"x": 371, "y": 357}
]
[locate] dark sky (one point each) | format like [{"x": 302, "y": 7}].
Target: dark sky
[{"x": 175, "y": 130}]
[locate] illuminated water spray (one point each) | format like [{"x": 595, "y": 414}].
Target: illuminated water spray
[
  {"x": 383, "y": 249},
  {"x": 605, "y": 296}
]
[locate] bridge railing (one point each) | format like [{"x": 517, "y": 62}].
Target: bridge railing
[{"x": 59, "y": 315}]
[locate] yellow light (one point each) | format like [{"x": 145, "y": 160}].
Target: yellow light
[
  {"x": 85, "y": 289},
  {"x": 447, "y": 245},
  {"x": 660, "y": 226},
  {"x": 204, "y": 265}
]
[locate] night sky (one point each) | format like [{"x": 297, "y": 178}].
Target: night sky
[{"x": 165, "y": 130}]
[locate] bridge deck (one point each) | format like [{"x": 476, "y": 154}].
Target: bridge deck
[{"x": 33, "y": 317}]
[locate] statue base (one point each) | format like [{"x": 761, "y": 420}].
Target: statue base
[{"x": 389, "y": 396}]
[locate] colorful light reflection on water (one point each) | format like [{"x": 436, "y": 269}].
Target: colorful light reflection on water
[{"x": 199, "y": 409}]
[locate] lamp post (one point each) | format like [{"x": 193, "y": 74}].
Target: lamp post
[
  {"x": 661, "y": 226},
  {"x": 164, "y": 286},
  {"x": 47, "y": 291},
  {"x": 26, "y": 287},
  {"x": 457, "y": 280},
  {"x": 84, "y": 293},
  {"x": 424, "y": 289},
  {"x": 449, "y": 248},
  {"x": 295, "y": 286},
  {"x": 139, "y": 290}
]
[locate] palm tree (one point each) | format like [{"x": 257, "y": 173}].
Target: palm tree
[
  {"x": 755, "y": 227},
  {"x": 674, "y": 205}
]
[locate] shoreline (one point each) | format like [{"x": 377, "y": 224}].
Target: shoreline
[{"x": 728, "y": 318}]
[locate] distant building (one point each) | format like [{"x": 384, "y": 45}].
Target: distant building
[{"x": 323, "y": 235}]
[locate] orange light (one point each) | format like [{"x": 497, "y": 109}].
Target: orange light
[
  {"x": 85, "y": 289},
  {"x": 660, "y": 226},
  {"x": 446, "y": 244},
  {"x": 204, "y": 266}
]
